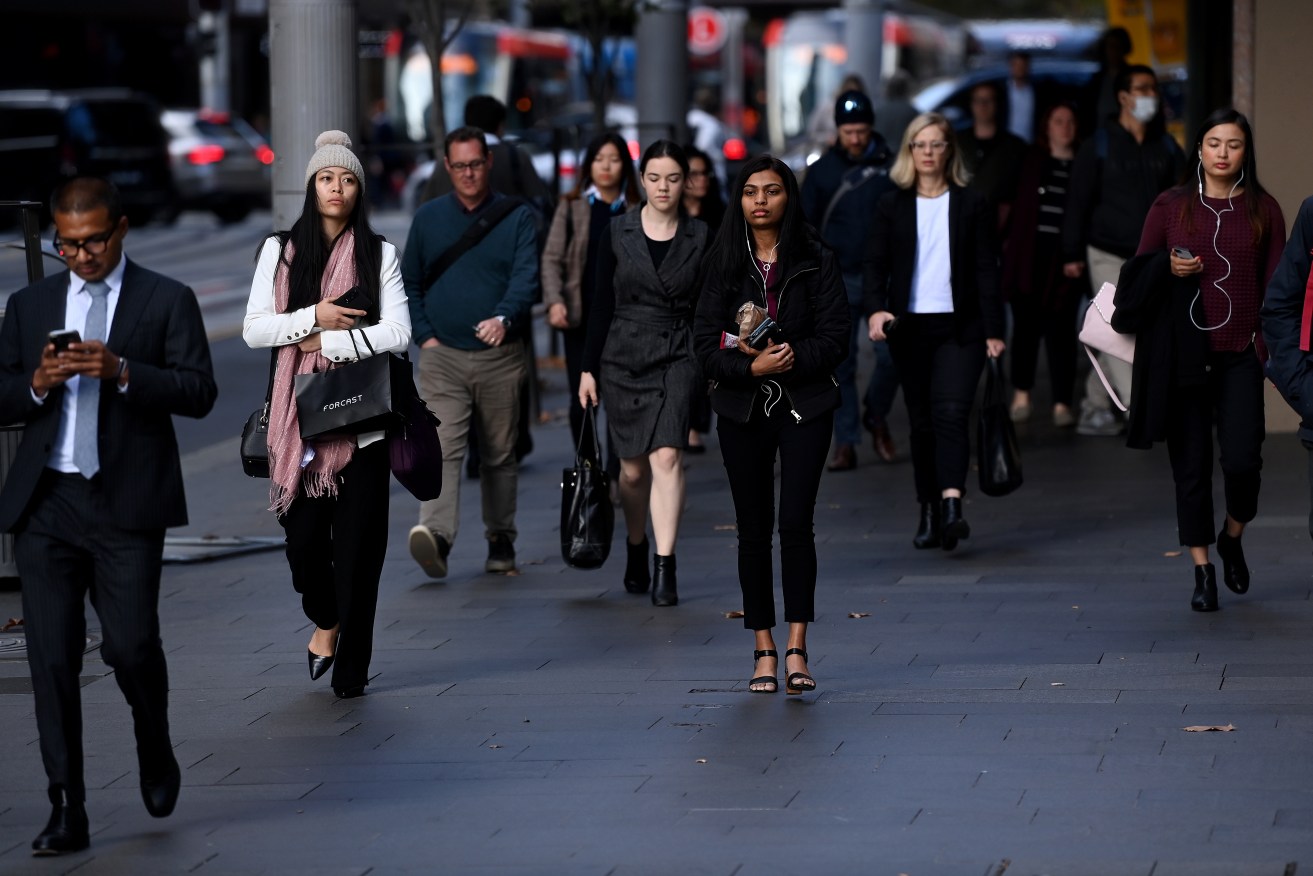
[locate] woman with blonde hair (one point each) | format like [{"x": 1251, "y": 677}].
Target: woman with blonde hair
[{"x": 931, "y": 289}]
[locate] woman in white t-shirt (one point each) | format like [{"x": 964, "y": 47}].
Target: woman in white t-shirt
[{"x": 931, "y": 288}]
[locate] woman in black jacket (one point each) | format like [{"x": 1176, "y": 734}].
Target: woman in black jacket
[
  {"x": 932, "y": 265},
  {"x": 776, "y": 400}
]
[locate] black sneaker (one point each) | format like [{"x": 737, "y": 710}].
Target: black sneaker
[
  {"x": 501, "y": 553},
  {"x": 429, "y": 550}
]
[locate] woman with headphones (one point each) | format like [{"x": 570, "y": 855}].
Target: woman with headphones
[{"x": 1222, "y": 236}]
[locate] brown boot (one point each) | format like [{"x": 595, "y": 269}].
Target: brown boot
[{"x": 845, "y": 458}]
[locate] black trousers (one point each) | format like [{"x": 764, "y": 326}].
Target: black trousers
[
  {"x": 335, "y": 548},
  {"x": 1231, "y": 400},
  {"x": 70, "y": 548},
  {"x": 749, "y": 451},
  {"x": 1055, "y": 324},
  {"x": 939, "y": 377}
]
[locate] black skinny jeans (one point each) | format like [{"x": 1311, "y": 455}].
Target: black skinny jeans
[
  {"x": 1231, "y": 399},
  {"x": 335, "y": 548},
  {"x": 1033, "y": 321},
  {"x": 939, "y": 377},
  {"x": 749, "y": 450}
]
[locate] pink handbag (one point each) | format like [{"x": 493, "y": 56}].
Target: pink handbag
[{"x": 1098, "y": 334}]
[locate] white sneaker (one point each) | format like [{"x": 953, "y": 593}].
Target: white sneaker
[
  {"x": 1100, "y": 422},
  {"x": 429, "y": 550}
]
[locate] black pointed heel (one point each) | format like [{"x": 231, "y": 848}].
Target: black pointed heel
[
  {"x": 765, "y": 679},
  {"x": 318, "y": 665},
  {"x": 798, "y": 682}
]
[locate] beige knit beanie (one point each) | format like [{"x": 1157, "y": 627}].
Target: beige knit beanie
[{"x": 333, "y": 149}]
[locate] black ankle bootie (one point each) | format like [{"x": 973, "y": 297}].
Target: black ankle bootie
[
  {"x": 663, "y": 582},
  {"x": 637, "y": 577},
  {"x": 952, "y": 527},
  {"x": 1235, "y": 572},
  {"x": 1205, "y": 588},
  {"x": 927, "y": 534}
]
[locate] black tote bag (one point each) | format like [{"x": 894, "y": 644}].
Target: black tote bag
[
  {"x": 587, "y": 518},
  {"x": 368, "y": 395},
  {"x": 996, "y": 438}
]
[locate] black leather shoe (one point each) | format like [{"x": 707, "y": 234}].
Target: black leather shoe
[
  {"x": 318, "y": 665},
  {"x": 952, "y": 528},
  {"x": 927, "y": 534},
  {"x": 663, "y": 582},
  {"x": 66, "y": 831},
  {"x": 349, "y": 693},
  {"x": 1205, "y": 588},
  {"x": 160, "y": 792},
  {"x": 637, "y": 577},
  {"x": 1235, "y": 572}
]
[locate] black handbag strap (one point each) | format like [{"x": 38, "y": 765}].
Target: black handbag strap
[
  {"x": 588, "y": 430},
  {"x": 269, "y": 390},
  {"x": 487, "y": 220}
]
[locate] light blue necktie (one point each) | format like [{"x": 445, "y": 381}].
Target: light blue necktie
[{"x": 87, "y": 425}]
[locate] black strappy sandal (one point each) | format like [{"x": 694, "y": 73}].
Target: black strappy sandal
[
  {"x": 765, "y": 679},
  {"x": 798, "y": 682}
]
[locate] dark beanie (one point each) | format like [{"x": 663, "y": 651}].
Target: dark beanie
[{"x": 853, "y": 108}]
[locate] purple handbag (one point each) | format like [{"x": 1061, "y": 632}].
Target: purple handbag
[{"x": 414, "y": 451}]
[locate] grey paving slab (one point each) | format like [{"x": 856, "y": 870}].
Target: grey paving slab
[{"x": 1015, "y": 707}]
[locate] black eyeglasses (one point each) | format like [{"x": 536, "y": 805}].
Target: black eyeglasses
[
  {"x": 476, "y": 165},
  {"x": 93, "y": 245}
]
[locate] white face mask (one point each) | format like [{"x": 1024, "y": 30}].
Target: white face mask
[{"x": 1145, "y": 108}]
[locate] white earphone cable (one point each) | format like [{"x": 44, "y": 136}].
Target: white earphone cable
[{"x": 1230, "y": 208}]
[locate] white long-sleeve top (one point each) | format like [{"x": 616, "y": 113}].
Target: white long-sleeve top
[{"x": 265, "y": 327}]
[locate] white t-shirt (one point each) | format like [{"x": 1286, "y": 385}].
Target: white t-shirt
[{"x": 932, "y": 279}]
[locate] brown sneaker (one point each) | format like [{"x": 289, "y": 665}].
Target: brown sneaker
[{"x": 845, "y": 459}]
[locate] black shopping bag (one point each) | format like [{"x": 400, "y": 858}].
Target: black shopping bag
[
  {"x": 996, "y": 438},
  {"x": 368, "y": 395},
  {"x": 587, "y": 518}
]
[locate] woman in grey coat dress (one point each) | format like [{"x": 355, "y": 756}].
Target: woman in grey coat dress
[{"x": 640, "y": 351}]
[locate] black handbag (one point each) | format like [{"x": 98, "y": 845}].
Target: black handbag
[
  {"x": 996, "y": 437},
  {"x": 415, "y": 452},
  {"x": 368, "y": 395},
  {"x": 255, "y": 434},
  {"x": 587, "y": 517}
]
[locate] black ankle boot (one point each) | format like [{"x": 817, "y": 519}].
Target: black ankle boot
[
  {"x": 1235, "y": 572},
  {"x": 663, "y": 582},
  {"x": 1205, "y": 588},
  {"x": 637, "y": 577},
  {"x": 952, "y": 527},
  {"x": 927, "y": 534}
]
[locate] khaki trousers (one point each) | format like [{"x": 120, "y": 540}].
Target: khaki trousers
[{"x": 483, "y": 385}]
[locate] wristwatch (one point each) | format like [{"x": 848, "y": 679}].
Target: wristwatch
[
  {"x": 505, "y": 321},
  {"x": 123, "y": 366}
]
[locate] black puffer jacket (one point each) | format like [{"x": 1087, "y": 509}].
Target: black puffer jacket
[{"x": 813, "y": 317}]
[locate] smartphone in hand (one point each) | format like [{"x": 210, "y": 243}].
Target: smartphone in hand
[
  {"x": 61, "y": 338},
  {"x": 1182, "y": 253}
]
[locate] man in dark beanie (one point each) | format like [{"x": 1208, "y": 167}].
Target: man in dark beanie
[{"x": 839, "y": 194}]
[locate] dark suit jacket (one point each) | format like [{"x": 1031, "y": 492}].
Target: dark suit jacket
[
  {"x": 891, "y": 261},
  {"x": 157, "y": 327}
]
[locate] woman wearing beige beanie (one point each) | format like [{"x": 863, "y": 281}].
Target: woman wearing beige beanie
[{"x": 331, "y": 496}]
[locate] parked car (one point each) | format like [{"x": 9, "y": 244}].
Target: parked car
[
  {"x": 1054, "y": 79},
  {"x": 48, "y": 136},
  {"x": 220, "y": 163}
]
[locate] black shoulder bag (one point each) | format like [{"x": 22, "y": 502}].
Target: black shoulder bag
[
  {"x": 488, "y": 219},
  {"x": 255, "y": 434}
]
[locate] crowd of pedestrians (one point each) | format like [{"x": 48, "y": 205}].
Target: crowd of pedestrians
[{"x": 674, "y": 302}]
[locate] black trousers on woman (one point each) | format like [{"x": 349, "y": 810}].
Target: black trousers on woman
[
  {"x": 1055, "y": 324},
  {"x": 335, "y": 548},
  {"x": 939, "y": 377},
  {"x": 1230, "y": 399},
  {"x": 749, "y": 450}
]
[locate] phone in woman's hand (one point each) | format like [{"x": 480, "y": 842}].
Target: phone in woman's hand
[{"x": 1182, "y": 253}]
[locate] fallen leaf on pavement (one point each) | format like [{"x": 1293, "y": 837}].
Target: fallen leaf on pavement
[
  {"x": 725, "y": 527},
  {"x": 13, "y": 622},
  {"x": 733, "y": 614},
  {"x": 496, "y": 746},
  {"x": 1204, "y": 728},
  {"x": 859, "y": 614},
  {"x": 701, "y": 760},
  {"x": 1171, "y": 553},
  {"x": 1057, "y": 684}
]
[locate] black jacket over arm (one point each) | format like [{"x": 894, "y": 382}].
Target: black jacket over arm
[
  {"x": 813, "y": 317},
  {"x": 891, "y": 261},
  {"x": 157, "y": 328},
  {"x": 1289, "y": 365}
]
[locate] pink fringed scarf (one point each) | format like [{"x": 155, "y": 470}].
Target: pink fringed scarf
[{"x": 285, "y": 446}]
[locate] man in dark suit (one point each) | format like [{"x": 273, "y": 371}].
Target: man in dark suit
[{"x": 95, "y": 482}]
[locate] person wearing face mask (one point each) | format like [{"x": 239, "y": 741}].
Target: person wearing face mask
[
  {"x": 1119, "y": 171},
  {"x": 1208, "y": 249}
]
